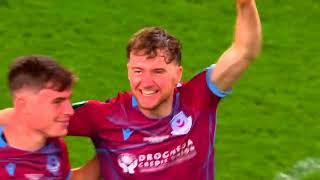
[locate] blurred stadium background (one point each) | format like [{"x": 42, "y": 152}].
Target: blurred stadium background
[{"x": 265, "y": 128}]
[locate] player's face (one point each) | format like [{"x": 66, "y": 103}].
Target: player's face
[
  {"x": 152, "y": 82},
  {"x": 49, "y": 112}
]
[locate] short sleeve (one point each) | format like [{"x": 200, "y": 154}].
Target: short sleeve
[{"x": 82, "y": 121}]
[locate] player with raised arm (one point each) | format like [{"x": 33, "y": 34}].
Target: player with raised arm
[{"x": 164, "y": 129}]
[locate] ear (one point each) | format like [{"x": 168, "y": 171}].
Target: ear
[
  {"x": 20, "y": 103},
  {"x": 179, "y": 73},
  {"x": 128, "y": 66},
  {"x": 22, "y": 100}
]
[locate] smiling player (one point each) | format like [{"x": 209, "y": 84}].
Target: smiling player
[{"x": 164, "y": 129}]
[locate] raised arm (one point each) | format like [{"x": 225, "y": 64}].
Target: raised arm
[
  {"x": 245, "y": 46},
  {"x": 89, "y": 171}
]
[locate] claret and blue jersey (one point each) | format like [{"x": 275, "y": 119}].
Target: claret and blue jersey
[
  {"x": 49, "y": 162},
  {"x": 130, "y": 145}
]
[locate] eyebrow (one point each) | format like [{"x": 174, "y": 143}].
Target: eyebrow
[
  {"x": 59, "y": 99},
  {"x": 157, "y": 69},
  {"x": 136, "y": 67}
]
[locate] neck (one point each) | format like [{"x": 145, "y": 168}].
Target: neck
[{"x": 19, "y": 136}]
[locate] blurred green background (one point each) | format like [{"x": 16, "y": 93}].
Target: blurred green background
[{"x": 269, "y": 123}]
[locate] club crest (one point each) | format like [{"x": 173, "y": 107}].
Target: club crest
[
  {"x": 53, "y": 164},
  {"x": 181, "y": 124}
]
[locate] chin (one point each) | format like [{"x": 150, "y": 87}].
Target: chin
[
  {"x": 148, "y": 105},
  {"x": 152, "y": 108},
  {"x": 64, "y": 133},
  {"x": 148, "y": 108},
  {"x": 59, "y": 134},
  {"x": 148, "y": 101}
]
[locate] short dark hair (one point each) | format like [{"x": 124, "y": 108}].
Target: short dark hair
[
  {"x": 38, "y": 71},
  {"x": 149, "y": 40}
]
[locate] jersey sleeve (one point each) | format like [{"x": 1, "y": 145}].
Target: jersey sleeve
[
  {"x": 201, "y": 92},
  {"x": 213, "y": 88},
  {"x": 82, "y": 123}
]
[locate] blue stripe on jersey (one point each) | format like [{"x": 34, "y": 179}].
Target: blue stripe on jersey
[
  {"x": 107, "y": 157},
  {"x": 214, "y": 142},
  {"x": 69, "y": 175},
  {"x": 206, "y": 167},
  {"x": 212, "y": 86},
  {"x": 2, "y": 142},
  {"x": 134, "y": 101},
  {"x": 176, "y": 108}
]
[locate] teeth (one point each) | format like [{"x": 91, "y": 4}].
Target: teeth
[{"x": 148, "y": 92}]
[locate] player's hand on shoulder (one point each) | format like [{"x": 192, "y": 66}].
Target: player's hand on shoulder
[{"x": 6, "y": 115}]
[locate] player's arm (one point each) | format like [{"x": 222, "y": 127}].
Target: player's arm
[
  {"x": 245, "y": 47},
  {"x": 5, "y": 115},
  {"x": 89, "y": 171}
]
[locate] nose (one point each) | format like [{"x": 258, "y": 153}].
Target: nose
[
  {"x": 147, "y": 79},
  {"x": 68, "y": 110}
]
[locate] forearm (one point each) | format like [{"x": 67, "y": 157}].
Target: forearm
[
  {"x": 247, "y": 35},
  {"x": 89, "y": 171},
  {"x": 6, "y": 115},
  {"x": 245, "y": 46}
]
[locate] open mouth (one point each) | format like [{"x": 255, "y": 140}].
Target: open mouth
[
  {"x": 148, "y": 92},
  {"x": 63, "y": 123}
]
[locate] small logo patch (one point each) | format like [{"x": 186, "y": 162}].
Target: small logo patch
[
  {"x": 156, "y": 139},
  {"x": 181, "y": 124},
  {"x": 11, "y": 167},
  {"x": 53, "y": 164},
  {"x": 128, "y": 162},
  {"x": 126, "y": 132}
]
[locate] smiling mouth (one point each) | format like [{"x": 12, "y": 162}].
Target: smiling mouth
[
  {"x": 148, "y": 92},
  {"x": 64, "y": 123}
]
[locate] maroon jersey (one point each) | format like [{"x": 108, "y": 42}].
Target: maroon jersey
[
  {"x": 132, "y": 146},
  {"x": 48, "y": 163}
]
